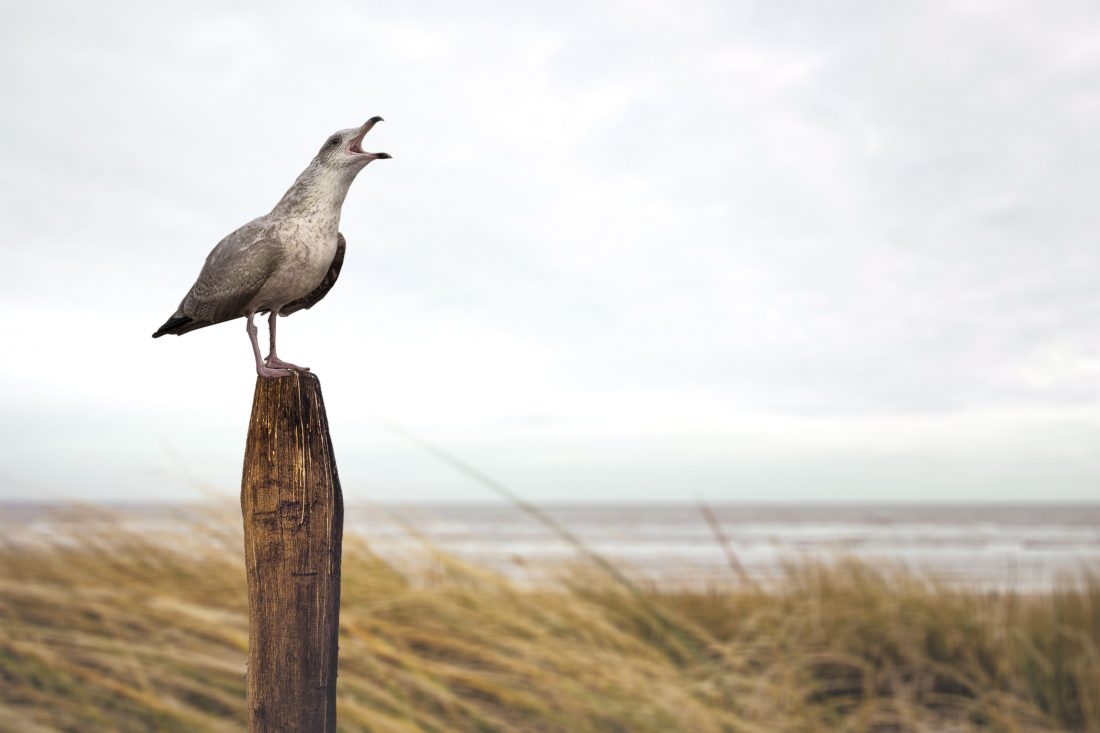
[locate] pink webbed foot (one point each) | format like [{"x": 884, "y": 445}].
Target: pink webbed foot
[
  {"x": 270, "y": 373},
  {"x": 274, "y": 361}
]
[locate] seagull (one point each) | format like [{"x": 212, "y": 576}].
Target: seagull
[{"x": 284, "y": 261}]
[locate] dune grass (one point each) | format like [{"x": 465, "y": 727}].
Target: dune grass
[{"x": 120, "y": 632}]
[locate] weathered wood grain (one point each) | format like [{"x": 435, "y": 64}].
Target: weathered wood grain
[{"x": 293, "y": 528}]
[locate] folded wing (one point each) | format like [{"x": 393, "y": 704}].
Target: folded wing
[{"x": 230, "y": 279}]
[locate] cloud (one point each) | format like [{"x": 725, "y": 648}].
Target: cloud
[{"x": 869, "y": 215}]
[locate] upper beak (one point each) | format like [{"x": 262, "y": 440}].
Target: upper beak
[
  {"x": 357, "y": 141},
  {"x": 369, "y": 124}
]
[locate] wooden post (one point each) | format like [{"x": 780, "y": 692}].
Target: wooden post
[{"x": 293, "y": 527}]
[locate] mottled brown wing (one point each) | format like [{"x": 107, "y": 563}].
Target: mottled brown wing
[
  {"x": 233, "y": 274},
  {"x": 326, "y": 285}
]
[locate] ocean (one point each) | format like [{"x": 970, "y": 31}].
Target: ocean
[
  {"x": 997, "y": 546},
  {"x": 1022, "y": 547}
]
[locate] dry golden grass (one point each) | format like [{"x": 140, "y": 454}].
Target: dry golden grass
[{"x": 117, "y": 632}]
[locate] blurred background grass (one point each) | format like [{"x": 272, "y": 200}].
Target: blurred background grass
[{"x": 111, "y": 630}]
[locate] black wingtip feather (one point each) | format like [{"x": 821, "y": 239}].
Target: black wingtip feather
[{"x": 175, "y": 324}]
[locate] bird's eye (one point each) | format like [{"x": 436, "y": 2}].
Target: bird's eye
[{"x": 334, "y": 141}]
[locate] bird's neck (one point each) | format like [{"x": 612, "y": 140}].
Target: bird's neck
[{"x": 318, "y": 190}]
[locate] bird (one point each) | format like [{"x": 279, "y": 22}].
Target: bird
[{"x": 284, "y": 261}]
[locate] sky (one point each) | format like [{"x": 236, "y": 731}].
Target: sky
[{"x": 645, "y": 251}]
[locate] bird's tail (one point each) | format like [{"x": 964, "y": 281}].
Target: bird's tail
[{"x": 179, "y": 325}]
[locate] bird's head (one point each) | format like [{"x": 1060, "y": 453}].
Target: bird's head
[{"x": 343, "y": 150}]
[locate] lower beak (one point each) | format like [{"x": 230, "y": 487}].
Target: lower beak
[{"x": 358, "y": 141}]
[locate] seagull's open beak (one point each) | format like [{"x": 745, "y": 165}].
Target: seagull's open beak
[{"x": 355, "y": 146}]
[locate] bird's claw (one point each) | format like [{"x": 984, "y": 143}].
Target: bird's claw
[
  {"x": 271, "y": 373},
  {"x": 274, "y": 361}
]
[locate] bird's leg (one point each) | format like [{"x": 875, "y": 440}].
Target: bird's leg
[
  {"x": 272, "y": 359},
  {"x": 261, "y": 369}
]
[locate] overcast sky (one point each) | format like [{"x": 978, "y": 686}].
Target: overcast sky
[{"x": 624, "y": 251}]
